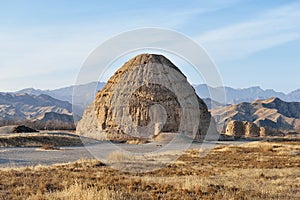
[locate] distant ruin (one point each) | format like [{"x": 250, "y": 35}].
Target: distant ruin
[{"x": 244, "y": 129}]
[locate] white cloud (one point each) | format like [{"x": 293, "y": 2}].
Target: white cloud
[{"x": 274, "y": 27}]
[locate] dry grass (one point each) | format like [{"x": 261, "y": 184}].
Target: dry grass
[
  {"x": 79, "y": 191},
  {"x": 39, "y": 139},
  {"x": 257, "y": 171},
  {"x": 49, "y": 147},
  {"x": 119, "y": 156}
]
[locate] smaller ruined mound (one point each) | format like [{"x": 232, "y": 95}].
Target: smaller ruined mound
[
  {"x": 23, "y": 129},
  {"x": 235, "y": 128},
  {"x": 244, "y": 129},
  {"x": 251, "y": 129},
  {"x": 16, "y": 129},
  {"x": 240, "y": 129},
  {"x": 272, "y": 132}
]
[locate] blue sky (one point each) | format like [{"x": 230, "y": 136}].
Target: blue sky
[{"x": 253, "y": 43}]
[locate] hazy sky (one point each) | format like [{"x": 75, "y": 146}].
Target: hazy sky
[{"x": 253, "y": 43}]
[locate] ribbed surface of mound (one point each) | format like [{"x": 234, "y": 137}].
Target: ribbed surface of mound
[{"x": 146, "y": 96}]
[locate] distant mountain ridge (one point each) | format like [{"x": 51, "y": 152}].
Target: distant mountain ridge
[
  {"x": 53, "y": 116},
  {"x": 233, "y": 96},
  {"x": 211, "y": 104},
  {"x": 272, "y": 113},
  {"x": 31, "y": 107},
  {"x": 83, "y": 96}
]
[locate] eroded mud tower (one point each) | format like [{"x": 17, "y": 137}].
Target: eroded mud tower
[{"x": 146, "y": 96}]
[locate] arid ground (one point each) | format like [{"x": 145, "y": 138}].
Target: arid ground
[{"x": 256, "y": 170}]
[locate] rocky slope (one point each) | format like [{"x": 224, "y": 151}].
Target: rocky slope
[
  {"x": 83, "y": 97},
  {"x": 272, "y": 113},
  {"x": 211, "y": 104},
  {"x": 54, "y": 116},
  {"x": 31, "y": 107}
]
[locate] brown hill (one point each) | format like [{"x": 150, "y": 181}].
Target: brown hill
[
  {"x": 30, "y": 107},
  {"x": 272, "y": 113},
  {"x": 53, "y": 116}
]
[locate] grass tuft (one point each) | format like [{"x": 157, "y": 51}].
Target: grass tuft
[{"x": 252, "y": 171}]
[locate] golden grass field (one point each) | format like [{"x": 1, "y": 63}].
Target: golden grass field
[{"x": 257, "y": 170}]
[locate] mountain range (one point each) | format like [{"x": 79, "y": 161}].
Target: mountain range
[
  {"x": 272, "y": 113},
  {"x": 247, "y": 104},
  {"x": 84, "y": 97},
  {"x": 234, "y": 96},
  {"x": 33, "y": 107}
]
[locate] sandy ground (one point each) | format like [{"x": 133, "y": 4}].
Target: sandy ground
[{"x": 29, "y": 156}]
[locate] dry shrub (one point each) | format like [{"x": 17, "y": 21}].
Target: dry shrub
[
  {"x": 49, "y": 147},
  {"x": 266, "y": 148},
  {"x": 137, "y": 141},
  {"x": 79, "y": 191},
  {"x": 118, "y": 156},
  {"x": 39, "y": 139}
]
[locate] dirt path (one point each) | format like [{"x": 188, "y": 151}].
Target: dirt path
[{"x": 20, "y": 156}]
